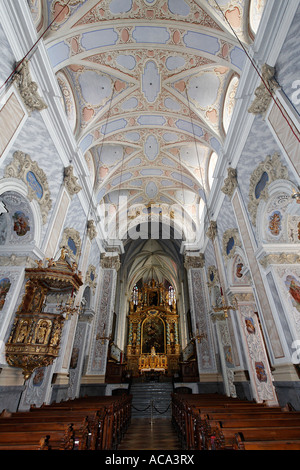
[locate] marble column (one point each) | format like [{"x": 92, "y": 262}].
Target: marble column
[
  {"x": 261, "y": 379},
  {"x": 110, "y": 265},
  {"x": 264, "y": 307},
  {"x": 194, "y": 265}
]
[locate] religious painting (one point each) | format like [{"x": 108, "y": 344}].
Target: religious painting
[
  {"x": 21, "y": 223},
  {"x": 72, "y": 245},
  {"x": 275, "y": 223},
  {"x": 74, "y": 358},
  {"x": 293, "y": 286},
  {"x": 153, "y": 298},
  {"x": 228, "y": 356},
  {"x": 4, "y": 288},
  {"x": 261, "y": 372},
  {"x": 38, "y": 377},
  {"x": 238, "y": 272},
  {"x": 34, "y": 184},
  {"x": 250, "y": 325},
  {"x": 153, "y": 335},
  {"x": 230, "y": 245},
  {"x": 261, "y": 184}
]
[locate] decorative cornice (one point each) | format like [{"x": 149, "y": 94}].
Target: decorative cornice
[
  {"x": 265, "y": 91},
  {"x": 239, "y": 297},
  {"x": 28, "y": 88},
  {"x": 230, "y": 183},
  {"x": 23, "y": 168},
  {"x": 13, "y": 260},
  {"x": 70, "y": 181},
  {"x": 280, "y": 258}
]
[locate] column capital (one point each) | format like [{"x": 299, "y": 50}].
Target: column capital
[
  {"x": 212, "y": 230},
  {"x": 194, "y": 261},
  {"x": 91, "y": 229},
  {"x": 110, "y": 262},
  {"x": 263, "y": 97},
  {"x": 70, "y": 181},
  {"x": 230, "y": 183}
]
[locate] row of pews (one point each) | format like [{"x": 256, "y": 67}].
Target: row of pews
[
  {"x": 217, "y": 422},
  {"x": 92, "y": 423}
]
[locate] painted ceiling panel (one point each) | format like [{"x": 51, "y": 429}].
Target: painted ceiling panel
[{"x": 149, "y": 87}]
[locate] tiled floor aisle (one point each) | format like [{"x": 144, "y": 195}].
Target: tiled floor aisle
[{"x": 142, "y": 435}]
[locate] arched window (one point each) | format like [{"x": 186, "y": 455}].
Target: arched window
[
  {"x": 135, "y": 295},
  {"x": 211, "y": 168},
  {"x": 172, "y": 296}
]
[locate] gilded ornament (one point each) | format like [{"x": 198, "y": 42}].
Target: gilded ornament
[{"x": 34, "y": 340}]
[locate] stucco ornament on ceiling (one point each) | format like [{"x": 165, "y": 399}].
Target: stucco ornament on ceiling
[{"x": 144, "y": 80}]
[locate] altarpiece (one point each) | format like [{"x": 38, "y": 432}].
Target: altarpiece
[{"x": 153, "y": 338}]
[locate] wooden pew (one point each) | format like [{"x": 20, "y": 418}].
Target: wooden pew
[
  {"x": 218, "y": 422},
  {"x": 35, "y": 437},
  {"x": 91, "y": 425},
  {"x": 230, "y": 438},
  {"x": 117, "y": 415},
  {"x": 98, "y": 423}
]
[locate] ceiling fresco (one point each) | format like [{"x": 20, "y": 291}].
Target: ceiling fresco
[{"x": 149, "y": 89}]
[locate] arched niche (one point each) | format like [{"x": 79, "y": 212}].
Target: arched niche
[
  {"x": 19, "y": 224},
  {"x": 238, "y": 271},
  {"x": 278, "y": 217}
]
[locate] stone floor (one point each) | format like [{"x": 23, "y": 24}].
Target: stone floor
[{"x": 146, "y": 435}]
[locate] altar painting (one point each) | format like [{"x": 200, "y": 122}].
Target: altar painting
[{"x": 153, "y": 335}]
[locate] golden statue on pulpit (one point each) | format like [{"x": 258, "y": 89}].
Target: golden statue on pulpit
[{"x": 153, "y": 339}]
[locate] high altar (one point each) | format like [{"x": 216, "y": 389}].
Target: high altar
[{"x": 153, "y": 339}]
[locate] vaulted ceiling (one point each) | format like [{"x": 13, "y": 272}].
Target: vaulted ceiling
[{"x": 148, "y": 87}]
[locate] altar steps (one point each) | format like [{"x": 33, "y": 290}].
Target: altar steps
[{"x": 151, "y": 399}]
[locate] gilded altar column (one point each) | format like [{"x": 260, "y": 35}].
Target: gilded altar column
[
  {"x": 194, "y": 265},
  {"x": 110, "y": 265}
]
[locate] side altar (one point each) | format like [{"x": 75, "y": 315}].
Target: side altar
[{"x": 153, "y": 337}]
